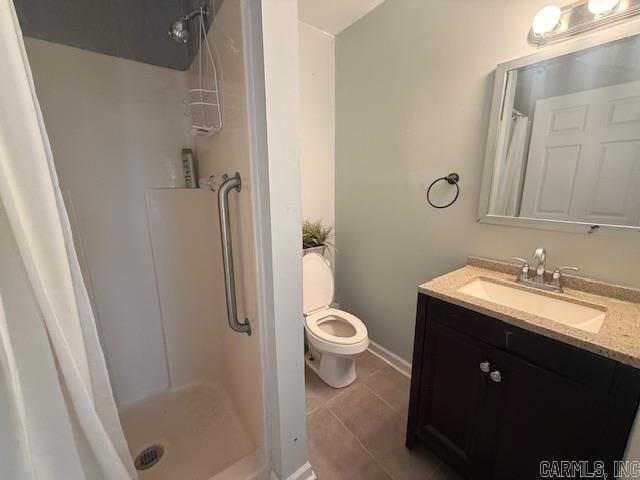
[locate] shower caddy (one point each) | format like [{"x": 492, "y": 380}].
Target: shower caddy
[{"x": 203, "y": 102}]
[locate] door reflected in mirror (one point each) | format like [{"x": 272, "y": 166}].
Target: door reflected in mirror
[{"x": 568, "y": 139}]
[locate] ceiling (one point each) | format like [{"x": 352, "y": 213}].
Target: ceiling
[
  {"x": 333, "y": 16},
  {"x": 133, "y": 29}
]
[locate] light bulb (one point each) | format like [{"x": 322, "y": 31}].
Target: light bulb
[
  {"x": 546, "y": 19},
  {"x": 598, "y": 7}
]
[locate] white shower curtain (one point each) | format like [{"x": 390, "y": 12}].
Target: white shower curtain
[
  {"x": 509, "y": 181},
  {"x": 58, "y": 419}
]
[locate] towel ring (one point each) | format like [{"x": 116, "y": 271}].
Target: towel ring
[{"x": 451, "y": 179}]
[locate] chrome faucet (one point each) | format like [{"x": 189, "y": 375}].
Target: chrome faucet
[
  {"x": 541, "y": 256},
  {"x": 538, "y": 280}
]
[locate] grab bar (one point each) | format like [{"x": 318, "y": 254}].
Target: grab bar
[{"x": 228, "y": 184}]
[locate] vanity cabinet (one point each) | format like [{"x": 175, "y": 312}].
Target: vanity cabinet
[{"x": 494, "y": 400}]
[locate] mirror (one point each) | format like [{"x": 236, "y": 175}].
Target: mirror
[{"x": 564, "y": 147}]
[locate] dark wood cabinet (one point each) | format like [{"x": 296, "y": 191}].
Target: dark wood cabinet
[
  {"x": 544, "y": 416},
  {"x": 495, "y": 400},
  {"x": 448, "y": 418}
]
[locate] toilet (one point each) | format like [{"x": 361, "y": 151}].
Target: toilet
[{"x": 334, "y": 337}]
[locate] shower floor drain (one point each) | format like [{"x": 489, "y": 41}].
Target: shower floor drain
[{"x": 149, "y": 457}]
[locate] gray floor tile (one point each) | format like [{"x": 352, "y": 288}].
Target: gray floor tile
[
  {"x": 381, "y": 430},
  {"x": 335, "y": 453},
  {"x": 367, "y": 363},
  {"x": 317, "y": 392},
  {"x": 392, "y": 386}
]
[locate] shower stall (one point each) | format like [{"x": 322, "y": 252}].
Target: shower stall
[{"x": 173, "y": 273}]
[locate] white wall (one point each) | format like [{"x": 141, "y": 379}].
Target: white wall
[
  {"x": 413, "y": 94},
  {"x": 333, "y": 16},
  {"x": 116, "y": 128},
  {"x": 317, "y": 123},
  {"x": 283, "y": 257}
]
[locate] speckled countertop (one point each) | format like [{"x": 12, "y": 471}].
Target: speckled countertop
[{"x": 618, "y": 338}]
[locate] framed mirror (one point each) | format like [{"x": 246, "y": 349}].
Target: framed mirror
[{"x": 563, "y": 150}]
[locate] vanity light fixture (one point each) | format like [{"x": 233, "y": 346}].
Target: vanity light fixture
[
  {"x": 553, "y": 23},
  {"x": 546, "y": 20},
  {"x": 600, "y": 7}
]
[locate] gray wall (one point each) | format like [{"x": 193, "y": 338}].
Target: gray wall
[
  {"x": 136, "y": 30},
  {"x": 413, "y": 93}
]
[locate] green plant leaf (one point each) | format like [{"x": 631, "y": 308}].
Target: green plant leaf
[{"x": 315, "y": 234}]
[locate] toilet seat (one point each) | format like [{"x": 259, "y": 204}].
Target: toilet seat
[
  {"x": 334, "y": 336},
  {"x": 314, "y": 321}
]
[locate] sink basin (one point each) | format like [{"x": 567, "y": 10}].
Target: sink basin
[{"x": 571, "y": 314}]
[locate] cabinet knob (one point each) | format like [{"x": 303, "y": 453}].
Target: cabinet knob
[
  {"x": 495, "y": 376},
  {"x": 485, "y": 367}
]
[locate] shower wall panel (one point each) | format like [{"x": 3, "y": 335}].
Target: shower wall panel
[
  {"x": 229, "y": 152},
  {"x": 116, "y": 128},
  {"x": 186, "y": 252}
]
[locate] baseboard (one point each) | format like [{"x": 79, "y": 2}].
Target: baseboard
[
  {"x": 390, "y": 358},
  {"x": 305, "y": 472}
]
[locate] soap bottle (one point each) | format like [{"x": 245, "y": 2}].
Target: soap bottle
[{"x": 190, "y": 168}]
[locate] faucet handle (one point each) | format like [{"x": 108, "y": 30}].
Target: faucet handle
[
  {"x": 520, "y": 259},
  {"x": 558, "y": 271},
  {"x": 524, "y": 268}
]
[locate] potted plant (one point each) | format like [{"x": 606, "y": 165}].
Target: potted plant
[{"x": 315, "y": 237}]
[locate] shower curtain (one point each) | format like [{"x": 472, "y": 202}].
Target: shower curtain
[
  {"x": 58, "y": 419},
  {"x": 509, "y": 183}
]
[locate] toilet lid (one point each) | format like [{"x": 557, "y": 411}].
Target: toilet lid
[{"x": 317, "y": 282}]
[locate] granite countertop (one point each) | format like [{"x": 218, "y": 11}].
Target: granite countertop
[{"x": 618, "y": 338}]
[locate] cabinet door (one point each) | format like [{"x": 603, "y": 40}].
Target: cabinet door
[
  {"x": 544, "y": 417},
  {"x": 452, "y": 396}
]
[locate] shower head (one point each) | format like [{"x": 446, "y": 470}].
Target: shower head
[{"x": 179, "y": 30}]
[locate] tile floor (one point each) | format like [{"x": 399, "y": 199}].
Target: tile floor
[{"x": 358, "y": 432}]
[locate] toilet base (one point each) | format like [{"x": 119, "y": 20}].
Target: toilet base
[{"x": 336, "y": 371}]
